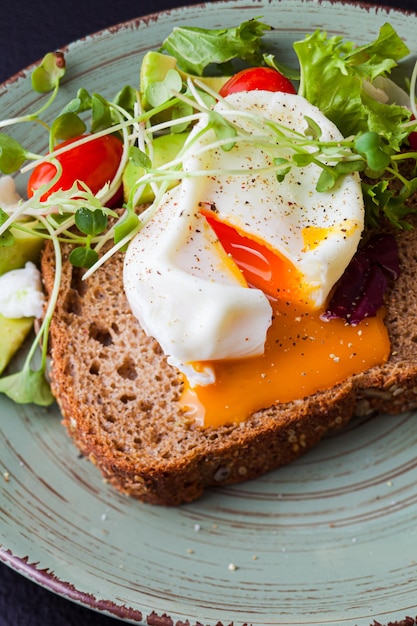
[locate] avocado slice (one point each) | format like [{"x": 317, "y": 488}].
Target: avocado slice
[
  {"x": 155, "y": 67},
  {"x": 166, "y": 148},
  {"x": 13, "y": 332},
  {"x": 27, "y": 247}
]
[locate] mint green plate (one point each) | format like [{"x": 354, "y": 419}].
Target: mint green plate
[{"x": 331, "y": 539}]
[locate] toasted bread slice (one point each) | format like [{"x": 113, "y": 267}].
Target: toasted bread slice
[{"x": 119, "y": 396}]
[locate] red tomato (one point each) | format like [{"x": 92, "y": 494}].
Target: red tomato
[
  {"x": 94, "y": 163},
  {"x": 265, "y": 78}
]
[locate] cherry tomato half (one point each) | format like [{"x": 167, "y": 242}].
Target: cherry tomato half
[
  {"x": 265, "y": 78},
  {"x": 94, "y": 163}
]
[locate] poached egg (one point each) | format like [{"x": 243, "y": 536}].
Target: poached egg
[{"x": 232, "y": 273}]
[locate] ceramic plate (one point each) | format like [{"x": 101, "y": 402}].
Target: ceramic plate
[{"x": 331, "y": 539}]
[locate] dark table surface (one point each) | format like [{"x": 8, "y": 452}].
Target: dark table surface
[{"x": 29, "y": 30}]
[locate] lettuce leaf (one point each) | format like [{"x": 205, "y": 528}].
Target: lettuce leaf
[
  {"x": 332, "y": 75},
  {"x": 196, "y": 48}
]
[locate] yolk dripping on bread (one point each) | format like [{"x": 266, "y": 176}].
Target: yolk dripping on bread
[
  {"x": 236, "y": 345},
  {"x": 304, "y": 353}
]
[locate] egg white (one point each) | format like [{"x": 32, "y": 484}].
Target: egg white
[
  {"x": 280, "y": 213},
  {"x": 183, "y": 288},
  {"x": 186, "y": 292}
]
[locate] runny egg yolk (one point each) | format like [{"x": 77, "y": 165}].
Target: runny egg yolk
[{"x": 303, "y": 353}]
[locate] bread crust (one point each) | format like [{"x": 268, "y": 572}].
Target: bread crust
[{"x": 119, "y": 397}]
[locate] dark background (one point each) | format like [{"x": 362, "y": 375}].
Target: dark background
[{"x": 28, "y": 30}]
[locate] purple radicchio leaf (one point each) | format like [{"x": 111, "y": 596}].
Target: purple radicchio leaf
[
  {"x": 383, "y": 250},
  {"x": 360, "y": 291}
]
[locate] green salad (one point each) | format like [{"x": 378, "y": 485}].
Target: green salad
[{"x": 103, "y": 178}]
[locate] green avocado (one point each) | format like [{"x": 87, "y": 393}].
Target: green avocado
[
  {"x": 155, "y": 67},
  {"x": 165, "y": 148},
  {"x": 13, "y": 332},
  {"x": 27, "y": 247}
]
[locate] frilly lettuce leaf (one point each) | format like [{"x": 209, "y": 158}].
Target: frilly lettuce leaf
[{"x": 333, "y": 72}]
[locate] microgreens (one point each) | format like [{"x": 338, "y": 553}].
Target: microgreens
[
  {"x": 91, "y": 223},
  {"x": 30, "y": 385},
  {"x": 176, "y": 103},
  {"x": 46, "y": 77},
  {"x": 12, "y": 154},
  {"x": 6, "y": 238},
  {"x": 334, "y": 73}
]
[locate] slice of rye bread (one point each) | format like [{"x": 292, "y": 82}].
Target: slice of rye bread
[{"x": 119, "y": 397}]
